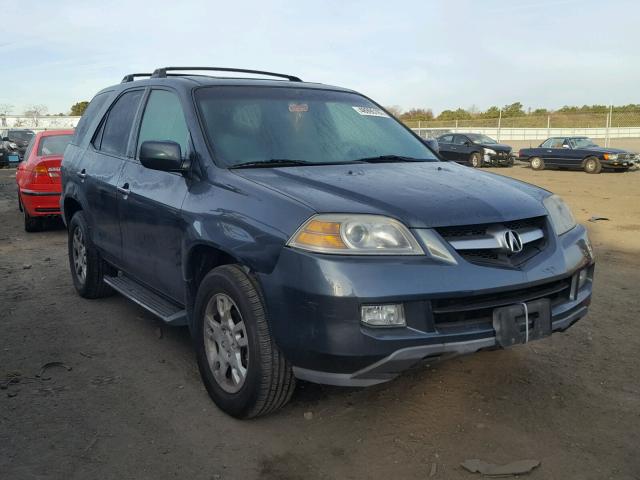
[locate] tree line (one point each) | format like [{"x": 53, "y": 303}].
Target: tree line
[{"x": 515, "y": 109}]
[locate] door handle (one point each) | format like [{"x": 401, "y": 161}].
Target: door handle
[
  {"x": 124, "y": 189},
  {"x": 82, "y": 173}
]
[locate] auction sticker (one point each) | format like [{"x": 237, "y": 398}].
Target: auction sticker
[
  {"x": 370, "y": 112},
  {"x": 298, "y": 107}
]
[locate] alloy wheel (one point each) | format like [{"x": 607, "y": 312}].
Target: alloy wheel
[
  {"x": 226, "y": 342},
  {"x": 79, "y": 251}
]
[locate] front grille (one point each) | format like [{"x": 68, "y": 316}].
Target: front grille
[
  {"x": 497, "y": 256},
  {"x": 462, "y": 313}
]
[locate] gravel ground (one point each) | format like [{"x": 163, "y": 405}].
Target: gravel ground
[{"x": 128, "y": 401}]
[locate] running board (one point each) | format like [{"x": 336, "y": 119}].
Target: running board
[{"x": 147, "y": 299}]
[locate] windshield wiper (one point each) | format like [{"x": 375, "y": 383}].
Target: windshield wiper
[
  {"x": 390, "y": 159},
  {"x": 274, "y": 162}
]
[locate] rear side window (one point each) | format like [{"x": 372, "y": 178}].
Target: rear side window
[
  {"x": 94, "y": 107},
  {"x": 53, "y": 145},
  {"x": 113, "y": 136},
  {"x": 164, "y": 120}
]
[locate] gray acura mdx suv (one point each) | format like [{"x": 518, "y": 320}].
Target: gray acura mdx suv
[{"x": 300, "y": 231}]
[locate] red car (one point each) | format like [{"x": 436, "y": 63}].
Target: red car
[{"x": 38, "y": 177}]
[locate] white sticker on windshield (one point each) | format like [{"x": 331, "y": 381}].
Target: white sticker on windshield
[{"x": 371, "y": 112}]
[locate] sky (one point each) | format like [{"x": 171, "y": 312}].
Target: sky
[{"x": 423, "y": 54}]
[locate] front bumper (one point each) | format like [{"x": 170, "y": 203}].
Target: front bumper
[
  {"x": 498, "y": 160},
  {"x": 314, "y": 305}
]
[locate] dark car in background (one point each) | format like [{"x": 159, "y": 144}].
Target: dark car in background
[
  {"x": 301, "y": 231},
  {"x": 474, "y": 149},
  {"x": 13, "y": 142},
  {"x": 577, "y": 153}
]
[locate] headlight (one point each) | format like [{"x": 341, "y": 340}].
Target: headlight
[
  {"x": 489, "y": 151},
  {"x": 355, "y": 235},
  {"x": 610, "y": 156},
  {"x": 560, "y": 215}
]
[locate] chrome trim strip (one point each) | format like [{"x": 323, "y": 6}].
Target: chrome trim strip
[{"x": 493, "y": 241}]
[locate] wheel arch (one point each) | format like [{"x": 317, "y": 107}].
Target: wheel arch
[{"x": 70, "y": 206}]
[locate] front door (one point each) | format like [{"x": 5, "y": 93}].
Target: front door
[
  {"x": 445, "y": 143},
  {"x": 151, "y": 202}
]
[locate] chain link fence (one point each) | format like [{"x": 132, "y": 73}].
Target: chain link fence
[{"x": 607, "y": 126}]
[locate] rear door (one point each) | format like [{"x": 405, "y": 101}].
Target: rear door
[
  {"x": 445, "y": 143},
  {"x": 152, "y": 228},
  {"x": 100, "y": 171}
]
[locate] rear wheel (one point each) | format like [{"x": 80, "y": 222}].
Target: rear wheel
[
  {"x": 592, "y": 165},
  {"x": 87, "y": 267},
  {"x": 537, "y": 163},
  {"x": 475, "y": 160},
  {"x": 242, "y": 368},
  {"x": 31, "y": 224}
]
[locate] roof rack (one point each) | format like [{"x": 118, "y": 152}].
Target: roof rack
[
  {"x": 132, "y": 76},
  {"x": 162, "y": 72}
]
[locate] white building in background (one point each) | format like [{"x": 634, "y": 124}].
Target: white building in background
[{"x": 49, "y": 122}]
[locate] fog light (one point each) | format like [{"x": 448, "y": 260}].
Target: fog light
[
  {"x": 582, "y": 278},
  {"x": 383, "y": 315}
]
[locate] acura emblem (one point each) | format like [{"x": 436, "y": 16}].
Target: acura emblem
[{"x": 512, "y": 241}]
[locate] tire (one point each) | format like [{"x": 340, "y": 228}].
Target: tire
[
  {"x": 592, "y": 165},
  {"x": 89, "y": 270},
  {"x": 267, "y": 382},
  {"x": 31, "y": 224},
  {"x": 475, "y": 160},
  {"x": 537, "y": 163}
]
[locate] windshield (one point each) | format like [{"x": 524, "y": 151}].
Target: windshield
[
  {"x": 21, "y": 135},
  {"x": 53, "y": 145},
  {"x": 272, "y": 124},
  {"x": 583, "y": 142},
  {"x": 479, "y": 138}
]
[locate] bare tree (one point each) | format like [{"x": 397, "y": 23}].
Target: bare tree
[
  {"x": 34, "y": 112},
  {"x": 6, "y": 108},
  {"x": 394, "y": 110}
]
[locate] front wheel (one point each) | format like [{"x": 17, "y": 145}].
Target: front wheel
[
  {"x": 475, "y": 160},
  {"x": 87, "y": 267},
  {"x": 242, "y": 368},
  {"x": 592, "y": 165},
  {"x": 537, "y": 163}
]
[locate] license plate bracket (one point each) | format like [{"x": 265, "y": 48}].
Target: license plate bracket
[{"x": 510, "y": 326}]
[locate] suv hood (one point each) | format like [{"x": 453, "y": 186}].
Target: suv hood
[{"x": 425, "y": 194}]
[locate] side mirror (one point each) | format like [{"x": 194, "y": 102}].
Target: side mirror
[
  {"x": 164, "y": 156},
  {"x": 564, "y": 145},
  {"x": 467, "y": 143}
]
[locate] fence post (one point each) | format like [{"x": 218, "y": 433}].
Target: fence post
[
  {"x": 609, "y": 127},
  {"x": 548, "y": 126},
  {"x": 499, "y": 124},
  {"x": 456, "y": 128}
]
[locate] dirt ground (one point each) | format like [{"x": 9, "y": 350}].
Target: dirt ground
[{"x": 132, "y": 404}]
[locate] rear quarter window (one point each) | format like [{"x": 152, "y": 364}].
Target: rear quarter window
[{"x": 85, "y": 121}]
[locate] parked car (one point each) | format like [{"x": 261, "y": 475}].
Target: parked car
[
  {"x": 300, "y": 231},
  {"x": 475, "y": 149},
  {"x": 576, "y": 153},
  {"x": 13, "y": 145},
  {"x": 38, "y": 177}
]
